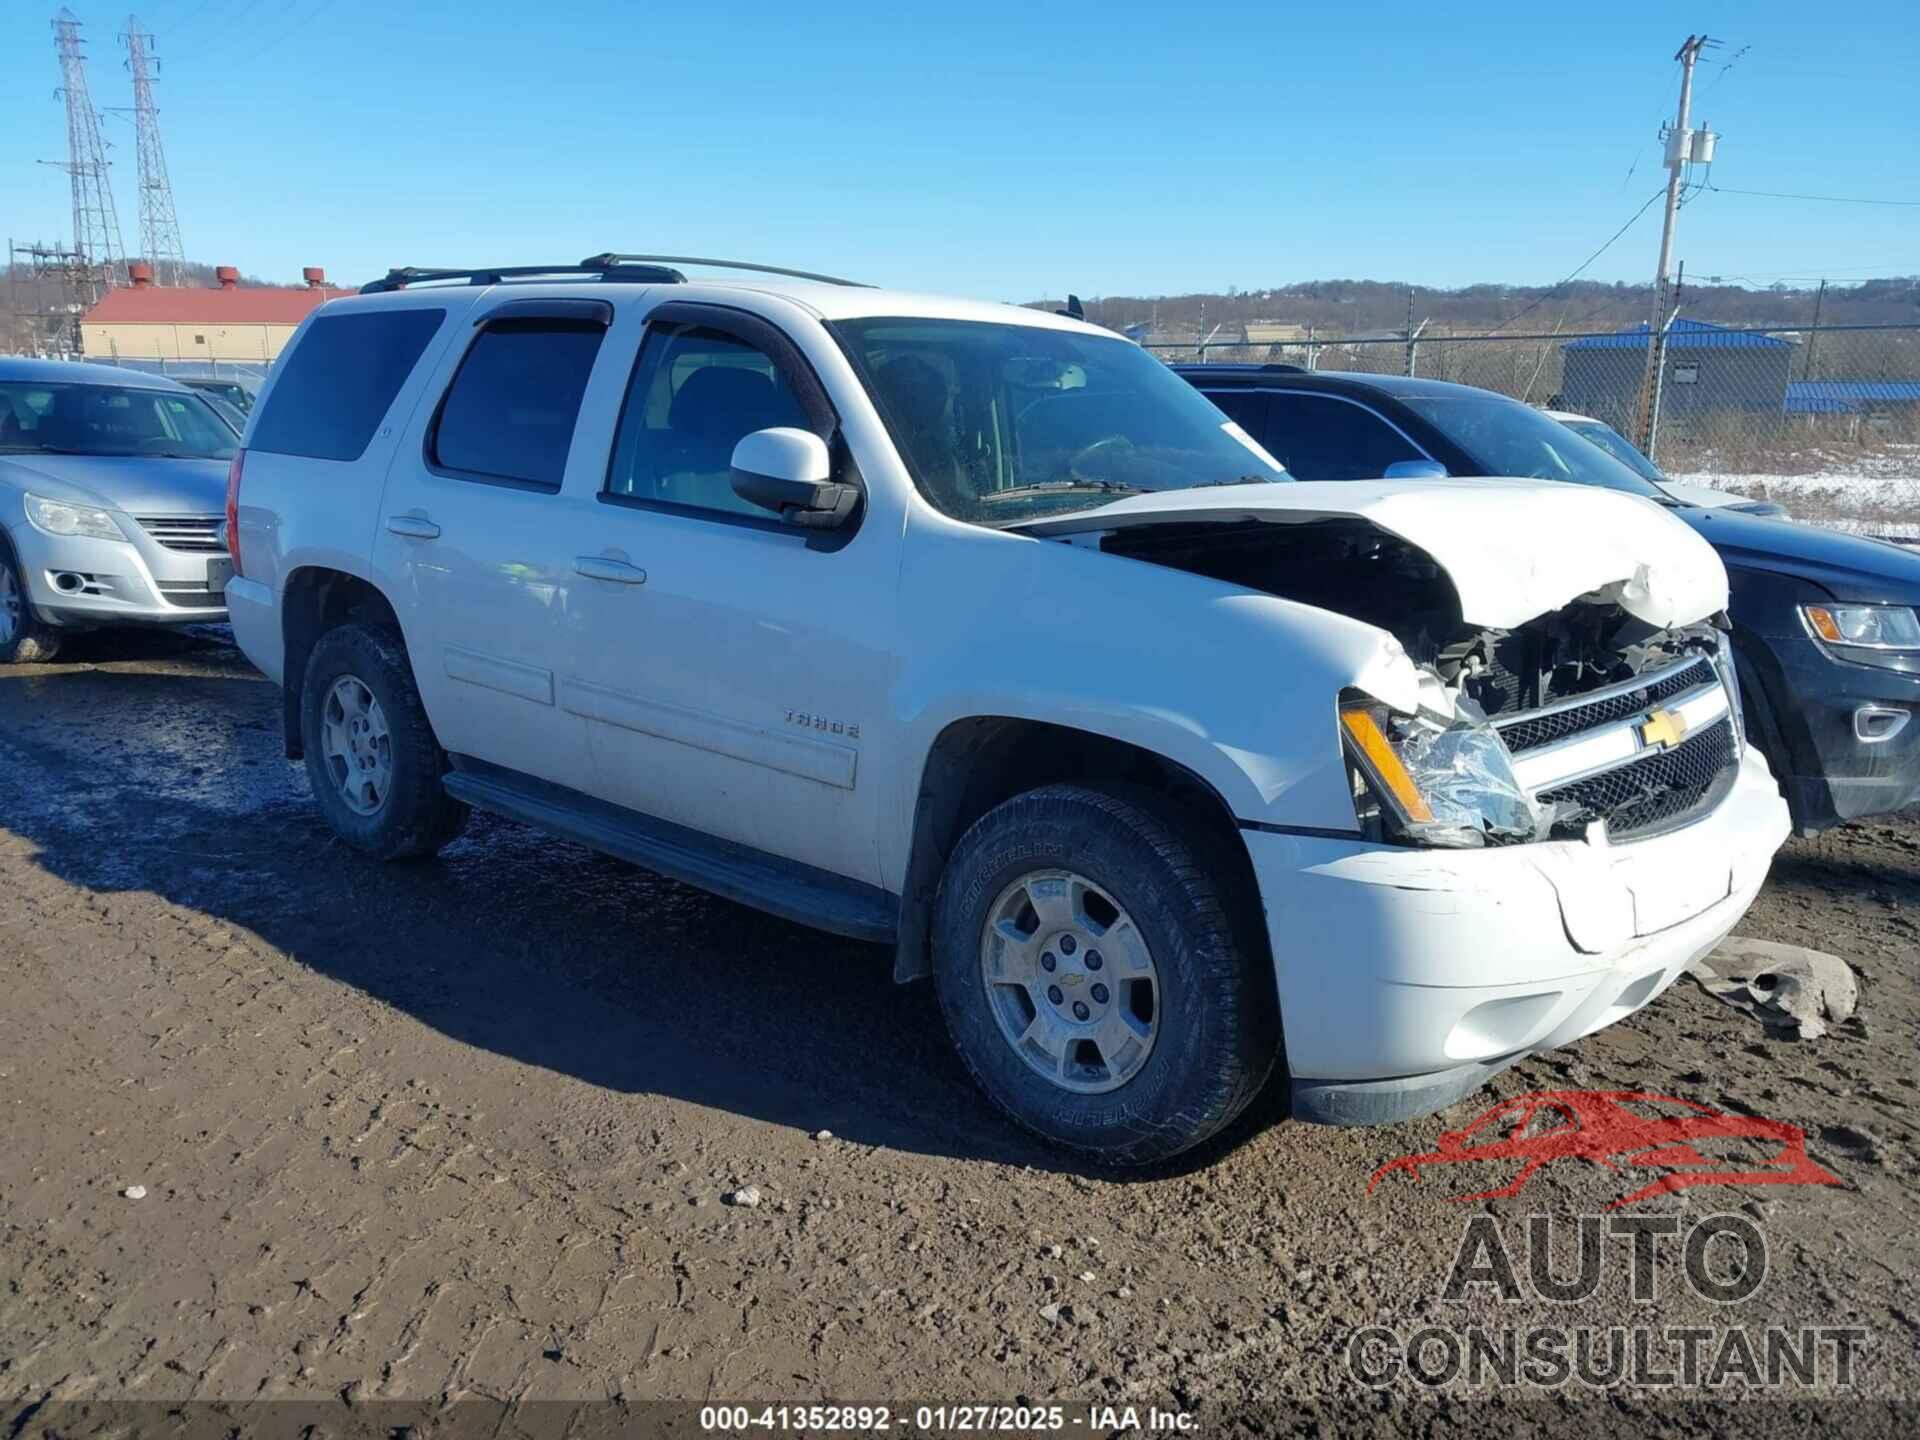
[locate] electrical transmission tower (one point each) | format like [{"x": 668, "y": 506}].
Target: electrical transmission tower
[
  {"x": 96, "y": 224},
  {"x": 159, "y": 225}
]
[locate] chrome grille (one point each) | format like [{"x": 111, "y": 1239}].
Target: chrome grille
[
  {"x": 1543, "y": 727},
  {"x": 199, "y": 534},
  {"x": 1660, "y": 790}
]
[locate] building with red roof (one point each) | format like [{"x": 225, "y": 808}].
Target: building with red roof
[{"x": 144, "y": 321}]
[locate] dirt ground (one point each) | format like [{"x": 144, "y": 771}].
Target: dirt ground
[{"x": 468, "y": 1129}]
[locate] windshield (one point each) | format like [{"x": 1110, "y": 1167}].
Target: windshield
[
  {"x": 1615, "y": 444},
  {"x": 1505, "y": 437},
  {"x": 1005, "y": 423},
  {"x": 233, "y": 393},
  {"x": 60, "y": 419}
]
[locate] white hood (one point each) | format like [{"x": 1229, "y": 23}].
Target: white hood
[{"x": 1514, "y": 549}]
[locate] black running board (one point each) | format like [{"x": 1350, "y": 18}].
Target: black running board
[{"x": 734, "y": 872}]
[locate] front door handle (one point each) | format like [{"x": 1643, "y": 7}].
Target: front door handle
[
  {"x": 414, "y": 527},
  {"x": 598, "y": 567}
]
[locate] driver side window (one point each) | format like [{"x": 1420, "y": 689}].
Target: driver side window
[{"x": 695, "y": 394}]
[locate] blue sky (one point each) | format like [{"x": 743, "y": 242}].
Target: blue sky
[{"x": 1002, "y": 150}]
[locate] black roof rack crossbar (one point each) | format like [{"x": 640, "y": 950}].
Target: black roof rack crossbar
[
  {"x": 611, "y": 259},
  {"x": 627, "y": 269},
  {"x": 405, "y": 275}
]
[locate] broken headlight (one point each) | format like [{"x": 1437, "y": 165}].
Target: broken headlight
[{"x": 1424, "y": 780}]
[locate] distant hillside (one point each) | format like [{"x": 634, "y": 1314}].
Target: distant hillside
[{"x": 1359, "y": 307}]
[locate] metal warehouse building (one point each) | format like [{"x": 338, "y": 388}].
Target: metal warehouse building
[
  {"x": 144, "y": 321},
  {"x": 1709, "y": 369},
  {"x": 1852, "y": 397}
]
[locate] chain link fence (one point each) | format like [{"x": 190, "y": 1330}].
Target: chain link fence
[
  {"x": 254, "y": 371},
  {"x": 1825, "y": 419}
]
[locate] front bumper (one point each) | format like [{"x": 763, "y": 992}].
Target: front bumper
[
  {"x": 77, "y": 581},
  {"x": 1409, "y": 977}
]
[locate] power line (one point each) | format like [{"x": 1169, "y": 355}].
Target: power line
[
  {"x": 1832, "y": 199},
  {"x": 1581, "y": 268}
]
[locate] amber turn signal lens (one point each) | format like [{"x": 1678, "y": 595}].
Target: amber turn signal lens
[
  {"x": 1378, "y": 754},
  {"x": 1823, "y": 624}
]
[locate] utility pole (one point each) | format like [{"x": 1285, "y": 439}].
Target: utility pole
[
  {"x": 1813, "y": 335},
  {"x": 1683, "y": 148},
  {"x": 96, "y": 224},
  {"x": 159, "y": 225}
]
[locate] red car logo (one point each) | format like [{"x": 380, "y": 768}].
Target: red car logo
[{"x": 1621, "y": 1130}]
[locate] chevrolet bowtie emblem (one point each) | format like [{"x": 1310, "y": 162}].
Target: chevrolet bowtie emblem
[{"x": 1664, "y": 727}]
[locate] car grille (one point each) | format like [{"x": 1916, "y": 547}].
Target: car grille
[
  {"x": 1658, "y": 791},
  {"x": 196, "y": 533},
  {"x": 1529, "y": 732}
]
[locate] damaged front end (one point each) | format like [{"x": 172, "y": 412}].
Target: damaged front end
[
  {"x": 1585, "y": 719},
  {"x": 1588, "y": 721}
]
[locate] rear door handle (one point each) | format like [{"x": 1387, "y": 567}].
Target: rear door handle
[
  {"x": 598, "y": 567},
  {"x": 414, "y": 527}
]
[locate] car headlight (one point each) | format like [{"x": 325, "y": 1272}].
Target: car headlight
[
  {"x": 1866, "y": 627},
  {"x": 1884, "y": 635},
  {"x": 1427, "y": 781},
  {"x": 57, "y": 517},
  {"x": 1729, "y": 671}
]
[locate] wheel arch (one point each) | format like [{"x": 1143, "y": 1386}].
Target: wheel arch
[
  {"x": 980, "y": 761},
  {"x": 314, "y": 599}
]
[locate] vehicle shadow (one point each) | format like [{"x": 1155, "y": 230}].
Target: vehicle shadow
[{"x": 535, "y": 949}]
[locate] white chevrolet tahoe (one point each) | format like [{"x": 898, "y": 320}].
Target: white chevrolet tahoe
[{"x": 976, "y": 632}]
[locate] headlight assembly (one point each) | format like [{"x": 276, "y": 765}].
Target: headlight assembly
[
  {"x": 57, "y": 517},
  {"x": 1850, "y": 628},
  {"x": 1438, "y": 783}
]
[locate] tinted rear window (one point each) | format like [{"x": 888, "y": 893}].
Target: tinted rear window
[
  {"x": 510, "y": 411},
  {"x": 340, "y": 379}
]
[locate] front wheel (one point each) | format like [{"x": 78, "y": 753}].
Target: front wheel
[
  {"x": 23, "y": 639},
  {"x": 1097, "y": 969},
  {"x": 371, "y": 753}
]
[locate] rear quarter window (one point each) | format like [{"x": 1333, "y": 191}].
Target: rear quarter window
[{"x": 336, "y": 385}]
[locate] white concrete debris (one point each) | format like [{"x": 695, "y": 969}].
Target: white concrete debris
[
  {"x": 135, "y": 1192},
  {"x": 1786, "y": 987},
  {"x": 746, "y": 1197}
]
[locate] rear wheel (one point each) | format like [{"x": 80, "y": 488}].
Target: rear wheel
[
  {"x": 371, "y": 754},
  {"x": 1099, "y": 974},
  {"x": 23, "y": 638}
]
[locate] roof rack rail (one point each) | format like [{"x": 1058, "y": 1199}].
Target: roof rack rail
[
  {"x": 611, "y": 267},
  {"x": 402, "y": 276},
  {"x": 612, "y": 259}
]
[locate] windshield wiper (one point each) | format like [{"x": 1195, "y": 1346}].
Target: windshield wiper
[{"x": 1061, "y": 487}]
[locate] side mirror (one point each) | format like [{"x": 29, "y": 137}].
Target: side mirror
[
  {"x": 1416, "y": 470},
  {"x": 790, "y": 472}
]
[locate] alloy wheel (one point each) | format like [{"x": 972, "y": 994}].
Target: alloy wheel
[
  {"x": 357, "y": 746},
  {"x": 12, "y": 605},
  {"x": 1071, "y": 981}
]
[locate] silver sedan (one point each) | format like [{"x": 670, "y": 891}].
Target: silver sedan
[{"x": 112, "y": 498}]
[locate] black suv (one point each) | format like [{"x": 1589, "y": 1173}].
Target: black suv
[{"x": 1826, "y": 625}]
